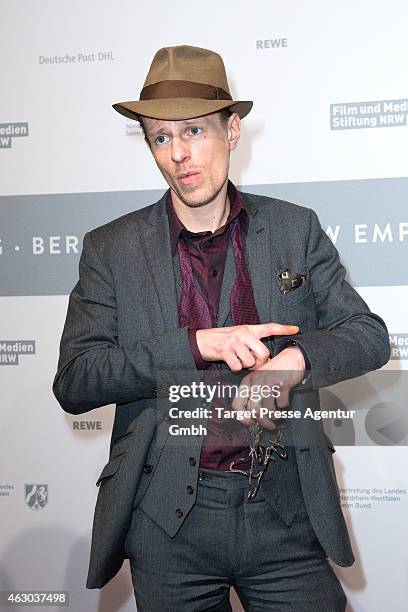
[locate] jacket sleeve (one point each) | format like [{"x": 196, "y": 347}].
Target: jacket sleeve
[
  {"x": 93, "y": 370},
  {"x": 350, "y": 339}
]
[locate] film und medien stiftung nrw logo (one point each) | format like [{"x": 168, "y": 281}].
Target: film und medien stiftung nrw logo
[
  {"x": 8, "y": 131},
  {"x": 399, "y": 346},
  {"x": 374, "y": 114},
  {"x": 11, "y": 349},
  {"x": 36, "y": 496}
]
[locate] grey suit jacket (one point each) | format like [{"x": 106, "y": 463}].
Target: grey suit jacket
[{"x": 122, "y": 329}]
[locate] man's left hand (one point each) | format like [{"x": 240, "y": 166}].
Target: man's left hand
[{"x": 286, "y": 370}]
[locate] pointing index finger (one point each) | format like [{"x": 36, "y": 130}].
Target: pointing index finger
[{"x": 273, "y": 329}]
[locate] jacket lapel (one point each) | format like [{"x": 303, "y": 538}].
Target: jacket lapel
[
  {"x": 227, "y": 284},
  {"x": 259, "y": 257},
  {"x": 155, "y": 239}
]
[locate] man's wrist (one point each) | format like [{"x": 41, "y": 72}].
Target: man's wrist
[
  {"x": 201, "y": 364},
  {"x": 307, "y": 366}
]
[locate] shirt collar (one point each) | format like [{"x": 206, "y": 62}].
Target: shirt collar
[{"x": 237, "y": 207}]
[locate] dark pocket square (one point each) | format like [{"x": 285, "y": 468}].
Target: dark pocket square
[{"x": 288, "y": 280}]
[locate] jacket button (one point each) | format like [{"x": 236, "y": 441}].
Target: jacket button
[
  {"x": 147, "y": 468},
  {"x": 168, "y": 418},
  {"x": 192, "y": 461},
  {"x": 179, "y": 513},
  {"x": 190, "y": 490}
]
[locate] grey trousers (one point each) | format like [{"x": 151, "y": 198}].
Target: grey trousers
[{"x": 228, "y": 540}]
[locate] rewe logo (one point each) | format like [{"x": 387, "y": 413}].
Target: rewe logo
[
  {"x": 87, "y": 425},
  {"x": 272, "y": 43},
  {"x": 11, "y": 130}
]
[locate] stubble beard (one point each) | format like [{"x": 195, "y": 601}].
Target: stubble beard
[{"x": 203, "y": 201}]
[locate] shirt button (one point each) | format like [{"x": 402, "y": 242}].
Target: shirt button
[
  {"x": 147, "y": 469},
  {"x": 214, "y": 273},
  {"x": 179, "y": 513},
  {"x": 190, "y": 490},
  {"x": 217, "y": 316},
  {"x": 192, "y": 461}
]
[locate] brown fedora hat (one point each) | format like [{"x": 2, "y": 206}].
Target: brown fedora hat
[{"x": 183, "y": 82}]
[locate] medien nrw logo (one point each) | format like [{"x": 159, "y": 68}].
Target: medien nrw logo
[
  {"x": 11, "y": 349},
  {"x": 374, "y": 114},
  {"x": 11, "y": 130},
  {"x": 399, "y": 346}
]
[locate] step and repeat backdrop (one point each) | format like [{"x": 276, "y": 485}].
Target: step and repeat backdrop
[{"x": 328, "y": 130}]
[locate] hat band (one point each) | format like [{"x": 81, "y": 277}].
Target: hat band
[{"x": 183, "y": 89}]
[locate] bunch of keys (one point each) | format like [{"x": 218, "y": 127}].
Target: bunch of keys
[{"x": 260, "y": 456}]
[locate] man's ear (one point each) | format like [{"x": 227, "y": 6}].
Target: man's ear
[{"x": 233, "y": 130}]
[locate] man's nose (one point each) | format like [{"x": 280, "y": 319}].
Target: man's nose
[{"x": 179, "y": 150}]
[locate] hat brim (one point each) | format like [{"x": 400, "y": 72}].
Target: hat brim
[{"x": 177, "y": 109}]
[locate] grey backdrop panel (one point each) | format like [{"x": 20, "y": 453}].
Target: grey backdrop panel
[{"x": 343, "y": 203}]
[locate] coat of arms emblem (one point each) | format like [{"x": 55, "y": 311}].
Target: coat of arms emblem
[{"x": 36, "y": 495}]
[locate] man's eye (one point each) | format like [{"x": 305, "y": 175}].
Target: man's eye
[
  {"x": 161, "y": 139},
  {"x": 195, "y": 130}
]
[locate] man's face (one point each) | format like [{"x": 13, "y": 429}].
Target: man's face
[{"x": 193, "y": 154}]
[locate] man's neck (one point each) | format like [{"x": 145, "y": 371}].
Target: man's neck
[{"x": 203, "y": 218}]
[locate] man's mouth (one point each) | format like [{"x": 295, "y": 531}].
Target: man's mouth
[{"x": 188, "y": 177}]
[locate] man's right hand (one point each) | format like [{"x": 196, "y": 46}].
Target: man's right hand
[{"x": 240, "y": 346}]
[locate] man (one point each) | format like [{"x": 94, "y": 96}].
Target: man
[{"x": 210, "y": 280}]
